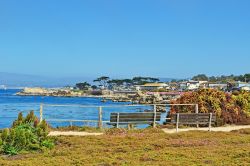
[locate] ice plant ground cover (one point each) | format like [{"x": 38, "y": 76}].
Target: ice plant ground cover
[{"x": 143, "y": 147}]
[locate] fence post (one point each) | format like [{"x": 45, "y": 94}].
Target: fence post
[
  {"x": 41, "y": 112},
  {"x": 154, "y": 123},
  {"x": 196, "y": 108},
  {"x": 118, "y": 120},
  {"x": 177, "y": 122},
  {"x": 210, "y": 121},
  {"x": 100, "y": 118},
  {"x": 197, "y": 111}
]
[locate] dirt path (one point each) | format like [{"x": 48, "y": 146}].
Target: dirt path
[
  {"x": 169, "y": 131},
  {"x": 72, "y": 133},
  {"x": 223, "y": 129}
]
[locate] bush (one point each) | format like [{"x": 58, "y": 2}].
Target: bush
[
  {"x": 26, "y": 134},
  {"x": 229, "y": 108},
  {"x": 48, "y": 144},
  {"x": 9, "y": 149}
]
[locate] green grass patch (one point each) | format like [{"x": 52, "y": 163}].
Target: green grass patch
[{"x": 77, "y": 128}]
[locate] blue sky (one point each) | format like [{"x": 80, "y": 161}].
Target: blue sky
[{"x": 123, "y": 38}]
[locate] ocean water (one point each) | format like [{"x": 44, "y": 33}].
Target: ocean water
[{"x": 11, "y": 105}]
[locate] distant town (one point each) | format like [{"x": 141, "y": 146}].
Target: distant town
[{"x": 144, "y": 90}]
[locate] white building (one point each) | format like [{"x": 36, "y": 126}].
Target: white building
[
  {"x": 243, "y": 86},
  {"x": 153, "y": 86},
  {"x": 217, "y": 86},
  {"x": 192, "y": 85},
  {"x": 246, "y": 88}
]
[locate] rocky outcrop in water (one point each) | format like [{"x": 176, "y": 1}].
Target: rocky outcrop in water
[{"x": 48, "y": 92}]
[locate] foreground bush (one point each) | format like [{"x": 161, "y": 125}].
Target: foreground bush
[
  {"x": 230, "y": 108},
  {"x": 26, "y": 134}
]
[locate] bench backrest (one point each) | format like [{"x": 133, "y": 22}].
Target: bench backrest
[
  {"x": 147, "y": 117},
  {"x": 193, "y": 118}
]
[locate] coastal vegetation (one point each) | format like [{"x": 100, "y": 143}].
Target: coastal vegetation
[
  {"x": 106, "y": 82},
  {"x": 26, "y": 134},
  {"x": 143, "y": 147},
  {"x": 230, "y": 108},
  {"x": 83, "y": 86},
  {"x": 223, "y": 78}
]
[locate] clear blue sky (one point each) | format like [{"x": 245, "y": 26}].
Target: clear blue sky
[{"x": 162, "y": 38}]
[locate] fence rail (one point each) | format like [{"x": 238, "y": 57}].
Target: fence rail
[{"x": 100, "y": 121}]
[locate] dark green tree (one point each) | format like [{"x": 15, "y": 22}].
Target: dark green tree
[
  {"x": 200, "y": 77},
  {"x": 83, "y": 86},
  {"x": 103, "y": 81}
]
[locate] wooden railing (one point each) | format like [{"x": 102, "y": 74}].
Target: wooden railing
[{"x": 100, "y": 120}]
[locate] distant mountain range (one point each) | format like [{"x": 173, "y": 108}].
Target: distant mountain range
[{"x": 25, "y": 80}]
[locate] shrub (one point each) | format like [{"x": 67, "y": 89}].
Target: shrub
[
  {"x": 229, "y": 108},
  {"x": 9, "y": 149},
  {"x": 48, "y": 144},
  {"x": 26, "y": 134}
]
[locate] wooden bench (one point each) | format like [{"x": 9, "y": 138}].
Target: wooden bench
[
  {"x": 129, "y": 119},
  {"x": 193, "y": 119}
]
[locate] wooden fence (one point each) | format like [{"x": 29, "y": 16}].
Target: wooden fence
[{"x": 100, "y": 120}]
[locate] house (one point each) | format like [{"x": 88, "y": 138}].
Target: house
[
  {"x": 246, "y": 88},
  {"x": 217, "y": 86},
  {"x": 152, "y": 86},
  {"x": 238, "y": 86},
  {"x": 192, "y": 85},
  {"x": 243, "y": 86}
]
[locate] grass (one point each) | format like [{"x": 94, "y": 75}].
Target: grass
[
  {"x": 144, "y": 147},
  {"x": 78, "y": 129}
]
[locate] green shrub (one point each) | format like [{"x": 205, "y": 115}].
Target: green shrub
[
  {"x": 1, "y": 142},
  {"x": 4, "y": 134},
  {"x": 48, "y": 144},
  {"x": 26, "y": 134},
  {"x": 9, "y": 149}
]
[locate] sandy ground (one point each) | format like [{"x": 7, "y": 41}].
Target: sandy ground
[
  {"x": 216, "y": 129},
  {"x": 72, "y": 133}
]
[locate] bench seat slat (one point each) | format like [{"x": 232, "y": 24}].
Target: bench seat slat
[
  {"x": 200, "y": 118},
  {"x": 142, "y": 117},
  {"x": 137, "y": 116}
]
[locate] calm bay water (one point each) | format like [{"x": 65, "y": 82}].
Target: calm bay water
[{"x": 11, "y": 105}]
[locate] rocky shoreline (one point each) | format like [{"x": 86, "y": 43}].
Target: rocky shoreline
[{"x": 136, "y": 98}]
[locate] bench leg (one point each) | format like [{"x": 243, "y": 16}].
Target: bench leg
[
  {"x": 210, "y": 121},
  {"x": 177, "y": 122},
  {"x": 130, "y": 126}
]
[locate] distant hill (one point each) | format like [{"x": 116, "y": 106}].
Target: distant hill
[{"x": 23, "y": 80}]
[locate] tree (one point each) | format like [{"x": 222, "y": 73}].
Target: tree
[
  {"x": 144, "y": 80},
  {"x": 103, "y": 81},
  {"x": 83, "y": 86},
  {"x": 200, "y": 77},
  {"x": 247, "y": 77},
  {"x": 213, "y": 79},
  {"x": 94, "y": 87}
]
